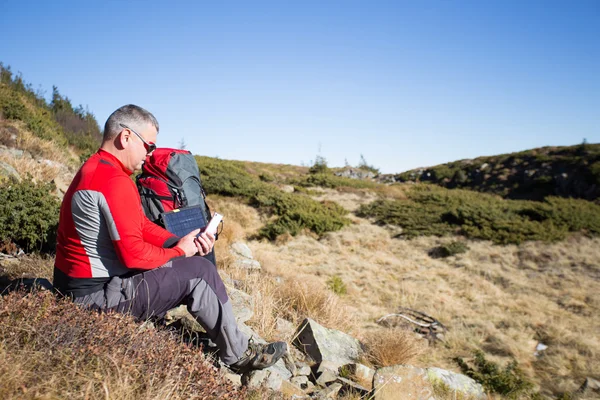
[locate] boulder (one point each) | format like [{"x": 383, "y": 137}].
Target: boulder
[
  {"x": 242, "y": 303},
  {"x": 323, "y": 344},
  {"x": 303, "y": 370},
  {"x": 255, "y": 379},
  {"x": 457, "y": 383},
  {"x": 420, "y": 383},
  {"x": 7, "y": 170},
  {"x": 242, "y": 256},
  {"x": 241, "y": 249},
  {"x": 356, "y": 173}
]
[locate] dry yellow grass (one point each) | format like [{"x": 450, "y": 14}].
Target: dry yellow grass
[
  {"x": 503, "y": 300},
  {"x": 44, "y": 160},
  {"x": 387, "y": 347}
]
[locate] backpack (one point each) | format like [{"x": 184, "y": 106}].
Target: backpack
[{"x": 170, "y": 179}]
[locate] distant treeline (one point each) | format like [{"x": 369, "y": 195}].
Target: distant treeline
[{"x": 57, "y": 120}]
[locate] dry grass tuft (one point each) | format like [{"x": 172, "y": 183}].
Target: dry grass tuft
[
  {"x": 44, "y": 160},
  {"x": 29, "y": 266},
  {"x": 51, "y": 348},
  {"x": 385, "y": 347}
]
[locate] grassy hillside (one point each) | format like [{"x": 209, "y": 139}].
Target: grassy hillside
[
  {"x": 571, "y": 171},
  {"x": 57, "y": 121},
  {"x": 503, "y": 275}
]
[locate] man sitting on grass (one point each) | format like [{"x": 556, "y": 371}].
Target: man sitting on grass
[{"x": 109, "y": 256}]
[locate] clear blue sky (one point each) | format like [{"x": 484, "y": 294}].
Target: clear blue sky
[{"x": 405, "y": 83}]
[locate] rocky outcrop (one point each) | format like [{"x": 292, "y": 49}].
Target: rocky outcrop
[
  {"x": 322, "y": 344},
  {"x": 242, "y": 257},
  {"x": 324, "y": 362},
  {"x": 356, "y": 173},
  {"x": 533, "y": 175}
]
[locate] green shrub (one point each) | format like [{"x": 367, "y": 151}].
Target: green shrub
[
  {"x": 363, "y": 165},
  {"x": 328, "y": 180},
  {"x": 509, "y": 381},
  {"x": 320, "y": 166},
  {"x": 432, "y": 210},
  {"x": 337, "y": 285},
  {"x": 450, "y": 249},
  {"x": 29, "y": 215},
  {"x": 266, "y": 177},
  {"x": 295, "y": 211}
]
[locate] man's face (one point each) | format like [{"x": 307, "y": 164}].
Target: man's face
[{"x": 137, "y": 151}]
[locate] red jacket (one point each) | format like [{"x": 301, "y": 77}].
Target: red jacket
[{"x": 103, "y": 230}]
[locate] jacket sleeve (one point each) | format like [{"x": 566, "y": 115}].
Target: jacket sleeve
[
  {"x": 123, "y": 212},
  {"x": 157, "y": 235}
]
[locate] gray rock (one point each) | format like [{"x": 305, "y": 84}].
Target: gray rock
[
  {"x": 287, "y": 189},
  {"x": 16, "y": 153},
  {"x": 323, "y": 344},
  {"x": 355, "y": 173},
  {"x": 242, "y": 303},
  {"x": 360, "y": 373},
  {"x": 255, "y": 379},
  {"x": 330, "y": 392},
  {"x": 325, "y": 377},
  {"x": 301, "y": 381},
  {"x": 288, "y": 361},
  {"x": 418, "y": 383},
  {"x": 304, "y": 370},
  {"x": 241, "y": 249},
  {"x": 244, "y": 263},
  {"x": 274, "y": 381},
  {"x": 412, "y": 382},
  {"x": 7, "y": 170},
  {"x": 456, "y": 382}
]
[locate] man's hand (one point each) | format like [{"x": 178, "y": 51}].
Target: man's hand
[
  {"x": 192, "y": 245},
  {"x": 205, "y": 243}
]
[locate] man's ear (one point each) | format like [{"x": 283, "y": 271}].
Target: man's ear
[{"x": 122, "y": 140}]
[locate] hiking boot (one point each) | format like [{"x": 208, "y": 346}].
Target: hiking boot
[{"x": 259, "y": 356}]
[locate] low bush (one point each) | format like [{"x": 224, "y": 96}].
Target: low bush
[
  {"x": 295, "y": 211},
  {"x": 450, "y": 249},
  {"x": 52, "y": 348},
  {"x": 508, "y": 381},
  {"x": 432, "y": 210},
  {"x": 328, "y": 180},
  {"x": 29, "y": 215},
  {"x": 337, "y": 285}
]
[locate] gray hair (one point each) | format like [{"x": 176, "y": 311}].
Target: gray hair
[{"x": 130, "y": 115}]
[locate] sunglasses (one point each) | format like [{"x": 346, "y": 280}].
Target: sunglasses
[{"x": 149, "y": 146}]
